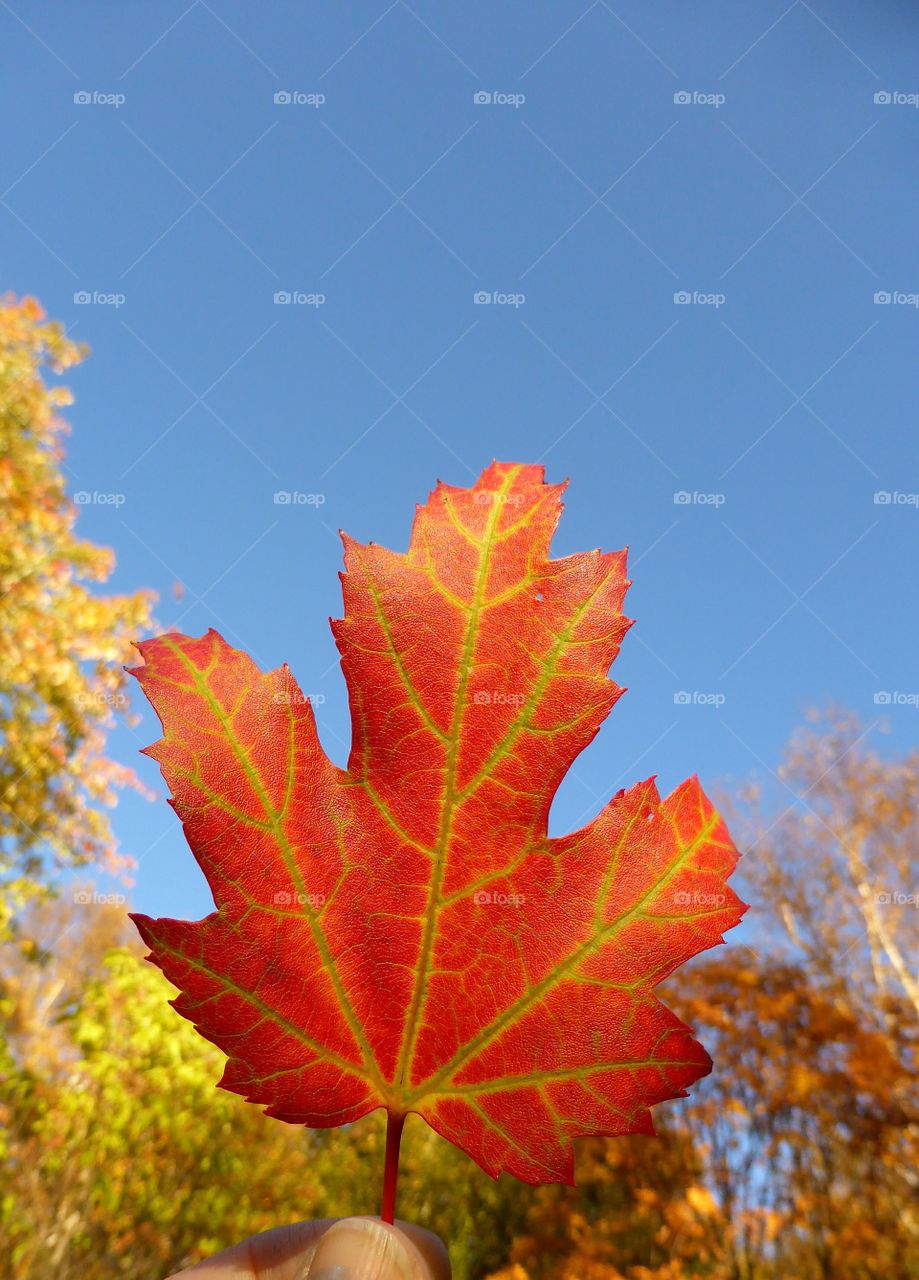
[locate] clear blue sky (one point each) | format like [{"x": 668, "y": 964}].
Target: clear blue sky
[{"x": 781, "y": 185}]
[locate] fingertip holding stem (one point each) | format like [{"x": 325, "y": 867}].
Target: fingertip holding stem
[{"x": 366, "y": 1249}]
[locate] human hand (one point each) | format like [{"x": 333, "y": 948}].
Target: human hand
[{"x": 331, "y": 1249}]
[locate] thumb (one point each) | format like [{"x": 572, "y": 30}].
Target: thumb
[{"x": 368, "y": 1249}]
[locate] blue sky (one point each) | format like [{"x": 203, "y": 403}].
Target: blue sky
[{"x": 629, "y": 156}]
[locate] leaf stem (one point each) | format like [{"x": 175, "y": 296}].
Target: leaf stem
[{"x": 394, "y": 1124}]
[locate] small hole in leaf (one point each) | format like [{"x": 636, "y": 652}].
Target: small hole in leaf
[{"x": 538, "y": 595}]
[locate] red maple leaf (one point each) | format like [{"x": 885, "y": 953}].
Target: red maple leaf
[{"x": 404, "y": 934}]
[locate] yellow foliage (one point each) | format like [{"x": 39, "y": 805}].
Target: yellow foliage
[
  {"x": 702, "y": 1201},
  {"x": 63, "y": 644}
]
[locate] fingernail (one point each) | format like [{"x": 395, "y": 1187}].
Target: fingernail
[{"x": 361, "y": 1249}]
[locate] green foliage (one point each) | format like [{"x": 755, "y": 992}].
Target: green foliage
[{"x": 128, "y": 1161}]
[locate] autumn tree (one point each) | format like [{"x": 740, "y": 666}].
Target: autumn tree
[
  {"x": 808, "y": 1127},
  {"x": 811, "y": 1118},
  {"x": 641, "y": 1210},
  {"x": 834, "y": 869},
  {"x": 63, "y": 643}
]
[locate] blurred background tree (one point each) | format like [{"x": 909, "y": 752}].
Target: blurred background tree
[
  {"x": 835, "y": 870},
  {"x": 63, "y": 644},
  {"x": 123, "y": 1159},
  {"x": 811, "y": 1118}
]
